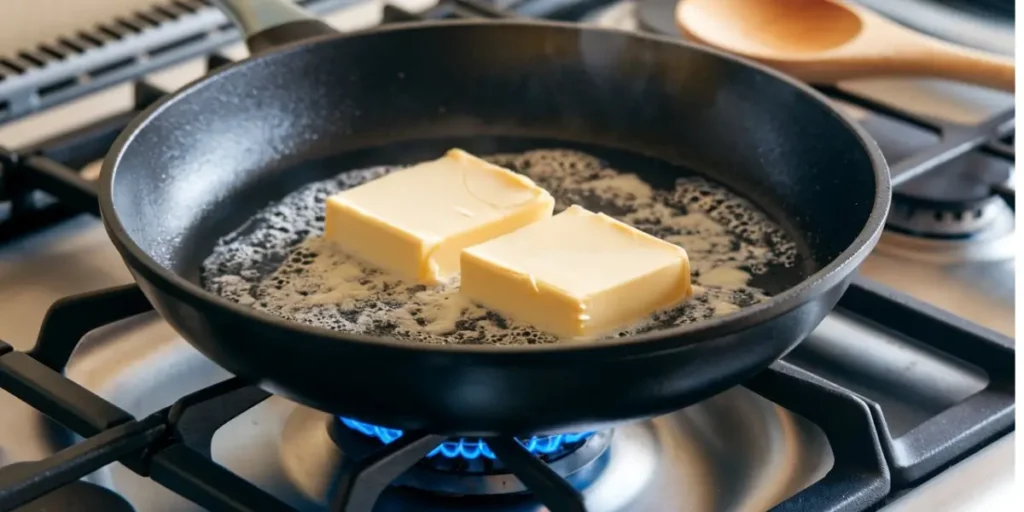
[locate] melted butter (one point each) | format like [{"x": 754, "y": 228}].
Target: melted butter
[
  {"x": 728, "y": 241},
  {"x": 725, "y": 277}
]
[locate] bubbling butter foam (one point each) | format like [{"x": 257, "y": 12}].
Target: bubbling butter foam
[{"x": 278, "y": 262}]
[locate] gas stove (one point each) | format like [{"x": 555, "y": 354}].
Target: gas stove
[{"x": 902, "y": 399}]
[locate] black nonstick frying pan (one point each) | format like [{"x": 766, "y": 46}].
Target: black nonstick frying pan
[{"x": 313, "y": 102}]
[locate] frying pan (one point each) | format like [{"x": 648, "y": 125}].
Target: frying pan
[{"x": 311, "y": 103}]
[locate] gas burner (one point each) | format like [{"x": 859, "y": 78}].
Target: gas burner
[
  {"x": 956, "y": 199},
  {"x": 937, "y": 236},
  {"x": 580, "y": 466},
  {"x": 468, "y": 467},
  {"x": 947, "y": 221},
  {"x": 548, "y": 448},
  {"x": 313, "y": 449}
]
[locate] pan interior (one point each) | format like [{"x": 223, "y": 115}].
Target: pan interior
[
  {"x": 276, "y": 262},
  {"x": 230, "y": 145}
]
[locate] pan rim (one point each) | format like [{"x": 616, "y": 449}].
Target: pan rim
[{"x": 678, "y": 337}]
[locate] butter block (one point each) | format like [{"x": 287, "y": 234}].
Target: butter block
[
  {"x": 577, "y": 274},
  {"x": 415, "y": 222}
]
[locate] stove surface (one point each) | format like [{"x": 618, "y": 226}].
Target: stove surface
[{"x": 735, "y": 452}]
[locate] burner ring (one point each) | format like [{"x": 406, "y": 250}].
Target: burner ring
[
  {"x": 547, "y": 447},
  {"x": 467, "y": 467},
  {"x": 579, "y": 467},
  {"x": 917, "y": 218}
]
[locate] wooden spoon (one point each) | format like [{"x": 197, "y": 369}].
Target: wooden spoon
[{"x": 823, "y": 41}]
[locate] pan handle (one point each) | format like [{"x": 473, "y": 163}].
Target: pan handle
[{"x": 268, "y": 24}]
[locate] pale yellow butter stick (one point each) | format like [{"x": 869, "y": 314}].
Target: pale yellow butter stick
[
  {"x": 578, "y": 274},
  {"x": 415, "y": 222}
]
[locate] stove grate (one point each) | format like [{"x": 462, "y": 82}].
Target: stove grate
[{"x": 173, "y": 446}]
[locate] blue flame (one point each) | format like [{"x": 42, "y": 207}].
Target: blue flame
[{"x": 470, "y": 449}]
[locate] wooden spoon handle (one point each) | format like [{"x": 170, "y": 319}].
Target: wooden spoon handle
[
  {"x": 955, "y": 63},
  {"x": 894, "y": 49}
]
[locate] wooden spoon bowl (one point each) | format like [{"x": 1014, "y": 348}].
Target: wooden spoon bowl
[{"x": 823, "y": 41}]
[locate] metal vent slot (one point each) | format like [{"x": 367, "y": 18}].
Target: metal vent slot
[
  {"x": 181, "y": 43},
  {"x": 113, "y": 32},
  {"x": 133, "y": 26},
  {"x": 47, "y": 90},
  {"x": 71, "y": 45},
  {"x": 188, "y": 6},
  {"x": 167, "y": 12},
  {"x": 96, "y": 42},
  {"x": 149, "y": 18},
  {"x": 52, "y": 52},
  {"x": 110, "y": 68},
  {"x": 33, "y": 60},
  {"x": 17, "y": 69}
]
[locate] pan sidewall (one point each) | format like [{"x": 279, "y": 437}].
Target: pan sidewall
[{"x": 467, "y": 394}]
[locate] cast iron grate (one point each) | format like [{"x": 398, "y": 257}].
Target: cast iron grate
[{"x": 173, "y": 446}]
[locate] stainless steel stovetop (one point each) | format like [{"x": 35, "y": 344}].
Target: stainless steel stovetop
[{"x": 738, "y": 451}]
